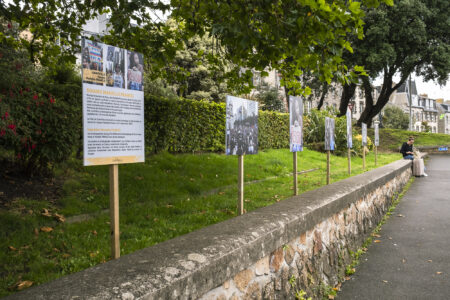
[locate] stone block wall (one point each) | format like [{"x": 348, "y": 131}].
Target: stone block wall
[
  {"x": 317, "y": 257},
  {"x": 300, "y": 243}
]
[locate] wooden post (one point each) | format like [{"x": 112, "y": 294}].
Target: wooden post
[
  {"x": 349, "y": 157},
  {"x": 328, "y": 166},
  {"x": 295, "y": 174},
  {"x": 364, "y": 158},
  {"x": 114, "y": 210},
  {"x": 376, "y": 155},
  {"x": 241, "y": 185}
]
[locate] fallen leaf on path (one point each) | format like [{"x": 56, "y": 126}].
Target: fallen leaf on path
[
  {"x": 331, "y": 297},
  {"x": 46, "y": 229},
  {"x": 60, "y": 218},
  {"x": 347, "y": 278},
  {"x": 385, "y": 281},
  {"x": 400, "y": 215},
  {"x": 376, "y": 235},
  {"x": 24, "y": 284},
  {"x": 403, "y": 260},
  {"x": 439, "y": 273},
  {"x": 377, "y": 241},
  {"x": 390, "y": 238},
  {"x": 46, "y": 213},
  {"x": 364, "y": 249},
  {"x": 429, "y": 260}
]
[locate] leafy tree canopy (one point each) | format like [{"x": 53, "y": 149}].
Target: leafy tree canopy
[
  {"x": 394, "y": 117},
  {"x": 290, "y": 36},
  {"x": 411, "y": 36}
]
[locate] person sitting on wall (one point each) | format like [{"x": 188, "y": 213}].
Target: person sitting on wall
[{"x": 407, "y": 149}]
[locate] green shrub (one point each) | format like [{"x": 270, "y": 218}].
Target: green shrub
[
  {"x": 37, "y": 126},
  {"x": 314, "y": 130},
  {"x": 189, "y": 125}
]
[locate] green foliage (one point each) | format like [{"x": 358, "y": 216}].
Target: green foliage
[
  {"x": 273, "y": 130},
  {"x": 270, "y": 98},
  {"x": 394, "y": 117},
  {"x": 37, "y": 114},
  {"x": 187, "y": 125},
  {"x": 312, "y": 36}
]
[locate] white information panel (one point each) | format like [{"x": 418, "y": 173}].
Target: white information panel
[
  {"x": 113, "y": 105},
  {"x": 364, "y": 133},
  {"x": 296, "y": 123}
]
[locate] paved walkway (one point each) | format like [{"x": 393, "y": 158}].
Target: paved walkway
[{"x": 412, "y": 261}]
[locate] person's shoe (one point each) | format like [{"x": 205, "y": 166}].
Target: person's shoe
[{"x": 425, "y": 174}]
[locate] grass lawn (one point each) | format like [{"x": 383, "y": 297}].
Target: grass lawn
[
  {"x": 168, "y": 196},
  {"x": 392, "y": 139}
]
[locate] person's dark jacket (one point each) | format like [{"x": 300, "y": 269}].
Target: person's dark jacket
[{"x": 406, "y": 148}]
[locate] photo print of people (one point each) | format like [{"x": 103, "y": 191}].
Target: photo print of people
[
  {"x": 241, "y": 126},
  {"x": 349, "y": 129},
  {"x": 329, "y": 133},
  {"x": 364, "y": 133},
  {"x": 296, "y": 123},
  {"x": 135, "y": 73}
]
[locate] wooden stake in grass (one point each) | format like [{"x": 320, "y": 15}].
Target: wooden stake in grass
[
  {"x": 328, "y": 166},
  {"x": 364, "y": 158},
  {"x": 114, "y": 210},
  {"x": 295, "y": 174},
  {"x": 377, "y": 139},
  {"x": 376, "y": 155},
  {"x": 241, "y": 185},
  {"x": 349, "y": 158}
]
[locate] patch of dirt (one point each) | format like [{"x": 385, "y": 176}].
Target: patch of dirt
[{"x": 14, "y": 184}]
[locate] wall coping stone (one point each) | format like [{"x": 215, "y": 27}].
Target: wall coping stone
[{"x": 189, "y": 266}]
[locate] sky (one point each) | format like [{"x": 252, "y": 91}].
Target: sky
[{"x": 433, "y": 90}]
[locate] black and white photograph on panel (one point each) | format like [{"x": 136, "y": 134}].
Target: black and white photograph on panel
[
  {"x": 296, "y": 123},
  {"x": 364, "y": 133},
  {"x": 349, "y": 129},
  {"x": 241, "y": 126},
  {"x": 329, "y": 133},
  {"x": 377, "y": 135}
]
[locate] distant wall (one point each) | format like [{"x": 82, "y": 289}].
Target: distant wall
[
  {"x": 299, "y": 243},
  {"x": 434, "y": 149}
]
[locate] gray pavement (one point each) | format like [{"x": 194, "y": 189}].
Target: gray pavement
[{"x": 412, "y": 259}]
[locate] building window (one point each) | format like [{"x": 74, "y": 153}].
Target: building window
[{"x": 361, "y": 106}]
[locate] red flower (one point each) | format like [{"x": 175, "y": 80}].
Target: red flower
[
  {"x": 12, "y": 127},
  {"x": 9, "y": 25},
  {"x": 52, "y": 100},
  {"x": 2, "y": 132},
  {"x": 27, "y": 89},
  {"x": 35, "y": 97},
  {"x": 19, "y": 156},
  {"x": 6, "y": 115},
  {"x": 33, "y": 146},
  {"x": 40, "y": 121}
]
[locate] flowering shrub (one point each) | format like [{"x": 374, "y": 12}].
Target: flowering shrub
[
  {"x": 34, "y": 124},
  {"x": 357, "y": 145}
]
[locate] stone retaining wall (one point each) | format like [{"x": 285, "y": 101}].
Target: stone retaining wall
[{"x": 301, "y": 243}]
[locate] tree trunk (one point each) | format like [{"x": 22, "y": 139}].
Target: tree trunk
[
  {"x": 323, "y": 95},
  {"x": 348, "y": 91},
  {"x": 365, "y": 116}
]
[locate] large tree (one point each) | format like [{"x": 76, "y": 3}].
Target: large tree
[
  {"x": 291, "y": 36},
  {"x": 411, "y": 36}
]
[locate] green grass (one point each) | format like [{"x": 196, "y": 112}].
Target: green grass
[
  {"x": 392, "y": 139},
  {"x": 168, "y": 196}
]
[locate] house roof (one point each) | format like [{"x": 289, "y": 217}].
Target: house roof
[{"x": 404, "y": 88}]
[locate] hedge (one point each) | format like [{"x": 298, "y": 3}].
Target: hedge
[{"x": 191, "y": 126}]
